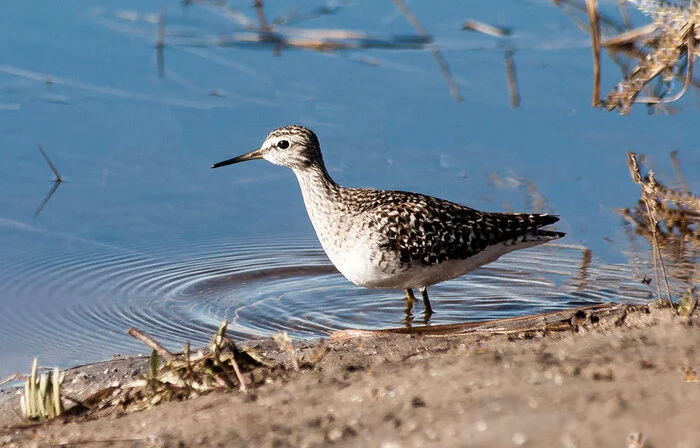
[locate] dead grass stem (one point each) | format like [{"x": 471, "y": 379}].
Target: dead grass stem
[
  {"x": 594, "y": 21},
  {"x": 42, "y": 398},
  {"x": 651, "y": 200},
  {"x": 48, "y": 161},
  {"x": 173, "y": 377},
  {"x": 437, "y": 55}
]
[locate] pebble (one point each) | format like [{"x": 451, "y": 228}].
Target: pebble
[
  {"x": 519, "y": 439},
  {"x": 481, "y": 426},
  {"x": 431, "y": 434},
  {"x": 567, "y": 441},
  {"x": 334, "y": 434},
  {"x": 390, "y": 444},
  {"x": 410, "y": 425},
  {"x": 80, "y": 378}
]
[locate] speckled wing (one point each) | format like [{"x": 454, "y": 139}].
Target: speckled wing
[{"x": 423, "y": 230}]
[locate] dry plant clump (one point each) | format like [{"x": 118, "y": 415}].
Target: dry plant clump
[
  {"x": 668, "y": 218},
  {"x": 223, "y": 366},
  {"x": 41, "y": 399},
  {"x": 280, "y": 34},
  {"x": 663, "y": 50}
]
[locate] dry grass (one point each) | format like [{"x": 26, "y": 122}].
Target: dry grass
[
  {"x": 659, "y": 52},
  {"x": 662, "y": 52},
  {"x": 54, "y": 187},
  {"x": 41, "y": 399},
  {"x": 180, "y": 377},
  {"x": 669, "y": 219},
  {"x": 223, "y": 366}
]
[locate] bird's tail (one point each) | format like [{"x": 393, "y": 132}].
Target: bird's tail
[
  {"x": 525, "y": 227},
  {"x": 549, "y": 234}
]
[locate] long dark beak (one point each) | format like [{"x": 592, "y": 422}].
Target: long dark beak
[{"x": 252, "y": 155}]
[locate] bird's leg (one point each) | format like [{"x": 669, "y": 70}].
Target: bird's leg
[
  {"x": 426, "y": 301},
  {"x": 410, "y": 298}
]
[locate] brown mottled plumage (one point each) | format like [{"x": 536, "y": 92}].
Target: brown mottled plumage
[{"x": 395, "y": 239}]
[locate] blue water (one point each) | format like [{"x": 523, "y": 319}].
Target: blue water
[{"x": 143, "y": 233}]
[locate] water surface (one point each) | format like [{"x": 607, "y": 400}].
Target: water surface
[{"x": 142, "y": 233}]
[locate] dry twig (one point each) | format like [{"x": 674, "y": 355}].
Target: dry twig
[
  {"x": 485, "y": 28},
  {"x": 594, "y": 21},
  {"x": 650, "y": 199},
  {"x": 512, "y": 80},
  {"x": 151, "y": 343},
  {"x": 51, "y": 165},
  {"x": 444, "y": 68}
]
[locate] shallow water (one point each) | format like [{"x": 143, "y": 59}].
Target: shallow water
[
  {"x": 183, "y": 292},
  {"x": 142, "y": 233}
]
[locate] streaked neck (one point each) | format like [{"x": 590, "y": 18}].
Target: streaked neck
[{"x": 322, "y": 196}]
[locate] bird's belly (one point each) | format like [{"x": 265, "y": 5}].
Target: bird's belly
[
  {"x": 358, "y": 264},
  {"x": 423, "y": 276}
]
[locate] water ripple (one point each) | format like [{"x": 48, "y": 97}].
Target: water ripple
[{"x": 73, "y": 303}]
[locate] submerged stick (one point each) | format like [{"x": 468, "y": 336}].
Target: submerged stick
[
  {"x": 160, "y": 39},
  {"x": 485, "y": 28},
  {"x": 265, "y": 26},
  {"x": 512, "y": 80},
  {"x": 258, "y": 5},
  {"x": 160, "y": 44},
  {"x": 51, "y": 165},
  {"x": 563, "y": 320},
  {"x": 444, "y": 68},
  {"x": 47, "y": 198},
  {"x": 55, "y": 186},
  {"x": 151, "y": 343},
  {"x": 594, "y": 21},
  {"x": 649, "y": 199},
  {"x": 624, "y": 14}
]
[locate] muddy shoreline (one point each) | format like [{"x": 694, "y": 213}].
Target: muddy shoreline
[{"x": 621, "y": 377}]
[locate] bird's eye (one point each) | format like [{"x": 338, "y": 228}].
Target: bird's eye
[{"x": 283, "y": 144}]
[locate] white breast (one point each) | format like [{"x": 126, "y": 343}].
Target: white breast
[{"x": 354, "y": 261}]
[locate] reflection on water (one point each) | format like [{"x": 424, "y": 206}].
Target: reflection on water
[
  {"x": 56, "y": 183},
  {"x": 182, "y": 294},
  {"x": 653, "y": 58},
  {"x": 672, "y": 233}
]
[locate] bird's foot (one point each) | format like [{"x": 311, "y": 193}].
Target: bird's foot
[{"x": 426, "y": 303}]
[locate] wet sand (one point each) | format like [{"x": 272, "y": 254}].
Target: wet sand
[{"x": 599, "y": 383}]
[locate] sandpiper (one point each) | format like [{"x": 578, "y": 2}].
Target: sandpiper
[{"x": 395, "y": 239}]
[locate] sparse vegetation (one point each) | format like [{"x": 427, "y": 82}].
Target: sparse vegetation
[
  {"x": 668, "y": 218},
  {"x": 223, "y": 366},
  {"x": 659, "y": 52},
  {"x": 41, "y": 399},
  {"x": 180, "y": 377}
]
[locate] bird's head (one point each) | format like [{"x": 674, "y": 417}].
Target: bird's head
[{"x": 295, "y": 147}]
